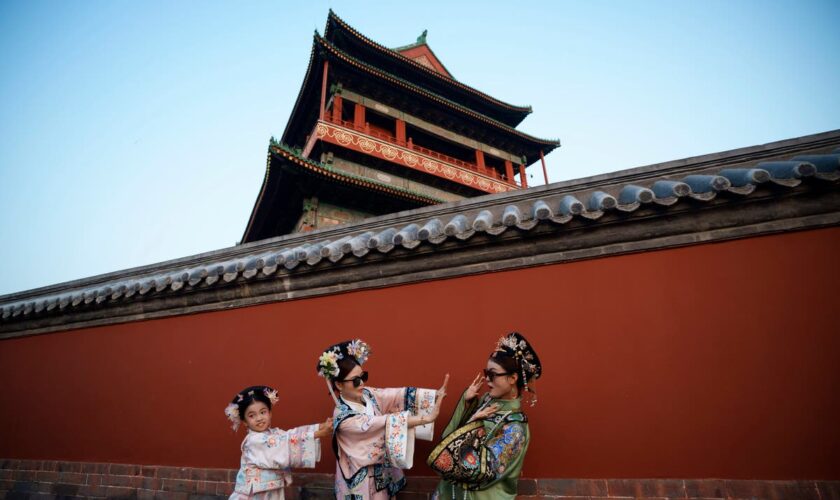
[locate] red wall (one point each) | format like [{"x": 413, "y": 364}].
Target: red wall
[{"x": 716, "y": 360}]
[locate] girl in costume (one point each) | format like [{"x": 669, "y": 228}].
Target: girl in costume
[
  {"x": 483, "y": 447},
  {"x": 373, "y": 429},
  {"x": 269, "y": 452}
]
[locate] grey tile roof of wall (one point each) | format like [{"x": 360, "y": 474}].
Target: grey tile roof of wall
[{"x": 663, "y": 185}]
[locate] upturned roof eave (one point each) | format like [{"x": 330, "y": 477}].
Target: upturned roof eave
[
  {"x": 522, "y": 111},
  {"x": 313, "y": 72},
  {"x": 313, "y": 166}
]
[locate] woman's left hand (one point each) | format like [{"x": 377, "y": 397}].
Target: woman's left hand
[
  {"x": 441, "y": 393},
  {"x": 485, "y": 412}
]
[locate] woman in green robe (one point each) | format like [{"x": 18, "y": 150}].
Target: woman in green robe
[{"x": 483, "y": 447}]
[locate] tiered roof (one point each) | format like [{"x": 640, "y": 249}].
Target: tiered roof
[
  {"x": 408, "y": 84},
  {"x": 395, "y": 61}
]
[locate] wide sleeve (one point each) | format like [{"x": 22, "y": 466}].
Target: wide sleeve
[
  {"x": 392, "y": 400},
  {"x": 507, "y": 449},
  {"x": 416, "y": 401},
  {"x": 278, "y": 449},
  {"x": 362, "y": 438},
  {"x": 386, "y": 438},
  {"x": 470, "y": 455}
]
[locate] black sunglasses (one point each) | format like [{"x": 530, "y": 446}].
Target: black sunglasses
[
  {"x": 357, "y": 381},
  {"x": 490, "y": 374}
]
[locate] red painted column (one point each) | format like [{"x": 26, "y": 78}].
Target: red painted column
[
  {"x": 400, "y": 131},
  {"x": 336, "y": 110},
  {"x": 545, "y": 172},
  {"x": 522, "y": 178},
  {"x": 479, "y": 159},
  {"x": 324, "y": 90},
  {"x": 509, "y": 171},
  {"x": 359, "y": 117}
]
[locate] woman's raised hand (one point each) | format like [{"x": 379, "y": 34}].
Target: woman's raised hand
[
  {"x": 416, "y": 420},
  {"x": 439, "y": 396},
  {"x": 474, "y": 388},
  {"x": 485, "y": 412},
  {"x": 441, "y": 393}
]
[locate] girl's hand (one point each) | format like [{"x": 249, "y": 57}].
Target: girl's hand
[
  {"x": 324, "y": 429},
  {"x": 474, "y": 388},
  {"x": 484, "y": 412}
]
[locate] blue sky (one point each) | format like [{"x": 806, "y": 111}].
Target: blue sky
[{"x": 136, "y": 132}]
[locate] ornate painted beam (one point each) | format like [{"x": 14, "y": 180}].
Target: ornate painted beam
[{"x": 363, "y": 143}]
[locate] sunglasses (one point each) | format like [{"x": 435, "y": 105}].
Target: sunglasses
[
  {"x": 357, "y": 381},
  {"x": 490, "y": 374}
]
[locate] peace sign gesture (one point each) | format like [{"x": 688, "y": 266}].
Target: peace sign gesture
[{"x": 474, "y": 388}]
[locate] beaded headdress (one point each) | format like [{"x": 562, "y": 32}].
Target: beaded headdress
[
  {"x": 516, "y": 346},
  {"x": 232, "y": 409},
  {"x": 328, "y": 361}
]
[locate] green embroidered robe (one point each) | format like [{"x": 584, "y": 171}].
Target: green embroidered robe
[{"x": 506, "y": 440}]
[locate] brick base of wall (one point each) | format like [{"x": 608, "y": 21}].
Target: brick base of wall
[{"x": 48, "y": 479}]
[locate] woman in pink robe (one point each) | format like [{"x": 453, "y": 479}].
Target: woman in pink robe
[{"x": 373, "y": 429}]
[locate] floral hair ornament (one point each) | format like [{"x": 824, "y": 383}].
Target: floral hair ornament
[
  {"x": 232, "y": 409},
  {"x": 271, "y": 394},
  {"x": 328, "y": 361},
  {"x": 515, "y": 345},
  {"x": 359, "y": 350},
  {"x": 232, "y": 414}
]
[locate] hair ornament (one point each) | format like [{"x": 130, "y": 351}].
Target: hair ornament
[
  {"x": 515, "y": 345},
  {"x": 232, "y": 409},
  {"x": 328, "y": 362},
  {"x": 271, "y": 394},
  {"x": 359, "y": 350},
  {"x": 232, "y": 413}
]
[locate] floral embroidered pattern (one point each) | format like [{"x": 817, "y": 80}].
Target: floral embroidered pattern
[
  {"x": 382, "y": 474},
  {"x": 376, "y": 450},
  {"x": 443, "y": 462},
  {"x": 275, "y": 447},
  {"x": 396, "y": 439},
  {"x": 426, "y": 400}
]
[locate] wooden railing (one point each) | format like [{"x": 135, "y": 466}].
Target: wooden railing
[{"x": 367, "y": 130}]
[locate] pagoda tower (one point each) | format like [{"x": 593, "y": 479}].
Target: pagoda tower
[{"x": 376, "y": 130}]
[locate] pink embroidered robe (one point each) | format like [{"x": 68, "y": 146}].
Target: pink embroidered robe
[
  {"x": 373, "y": 442},
  {"x": 267, "y": 457}
]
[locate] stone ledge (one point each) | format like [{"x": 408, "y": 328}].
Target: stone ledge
[{"x": 50, "y": 479}]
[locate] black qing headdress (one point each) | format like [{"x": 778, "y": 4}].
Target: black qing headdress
[{"x": 516, "y": 346}]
